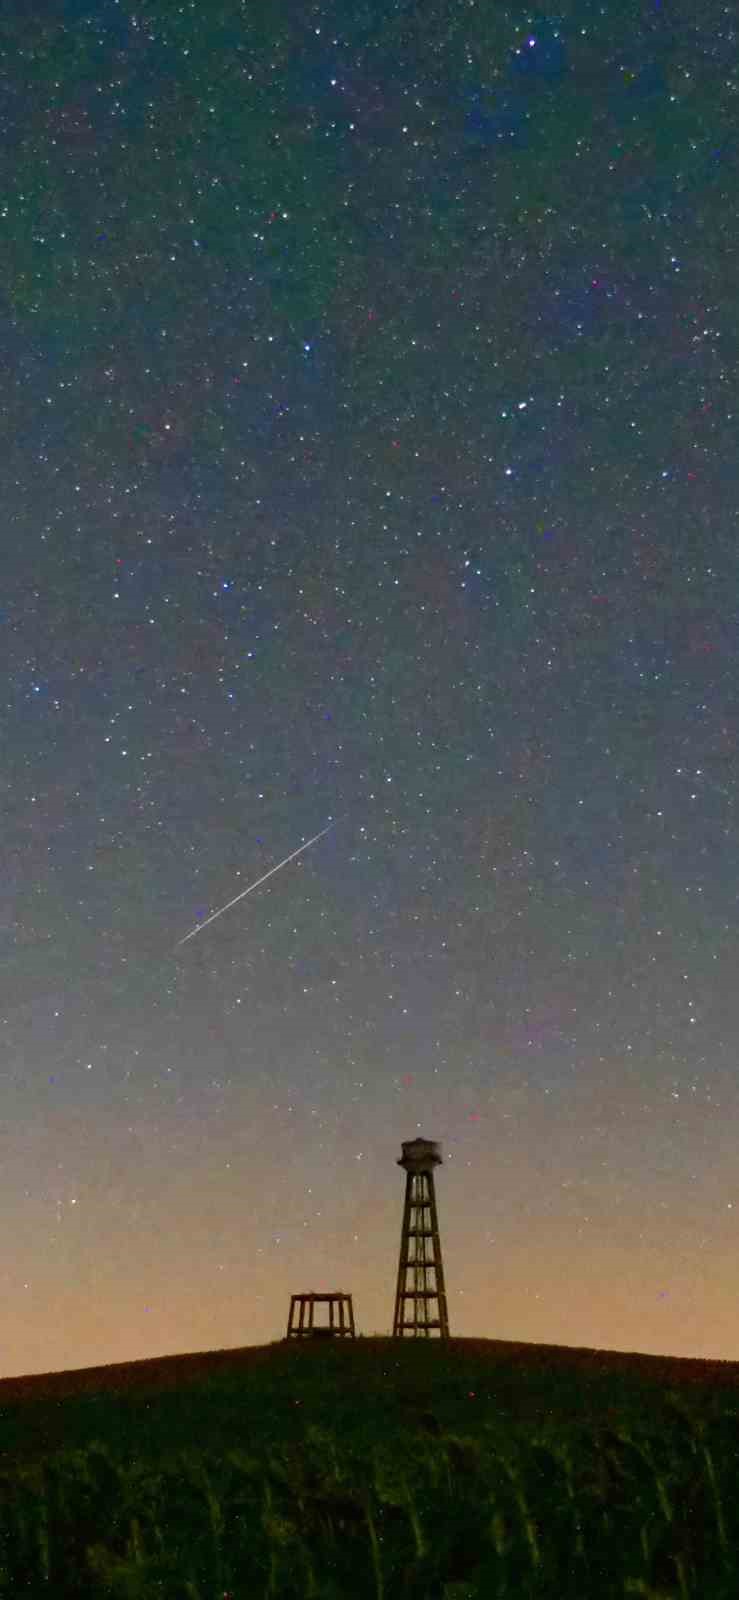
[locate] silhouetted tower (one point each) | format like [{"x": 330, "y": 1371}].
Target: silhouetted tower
[{"x": 420, "y": 1248}]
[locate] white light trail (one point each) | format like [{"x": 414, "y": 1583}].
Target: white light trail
[{"x": 253, "y": 886}]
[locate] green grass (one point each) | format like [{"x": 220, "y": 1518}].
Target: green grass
[{"x": 391, "y": 1470}]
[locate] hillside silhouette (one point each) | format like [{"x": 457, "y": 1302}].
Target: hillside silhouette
[
  {"x": 391, "y": 1469},
  {"x": 167, "y": 1372}
]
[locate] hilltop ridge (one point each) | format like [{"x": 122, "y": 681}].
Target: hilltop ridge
[{"x": 166, "y": 1372}]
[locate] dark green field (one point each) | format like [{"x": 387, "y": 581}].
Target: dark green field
[{"x": 374, "y": 1469}]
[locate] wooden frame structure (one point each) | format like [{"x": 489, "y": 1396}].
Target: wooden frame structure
[{"x": 340, "y": 1326}]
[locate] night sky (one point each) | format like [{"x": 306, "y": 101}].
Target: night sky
[{"x": 369, "y": 456}]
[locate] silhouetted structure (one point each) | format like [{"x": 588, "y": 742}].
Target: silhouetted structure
[
  {"x": 420, "y": 1248},
  {"x": 300, "y": 1328}
]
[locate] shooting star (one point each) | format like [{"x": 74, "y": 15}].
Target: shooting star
[{"x": 253, "y": 886}]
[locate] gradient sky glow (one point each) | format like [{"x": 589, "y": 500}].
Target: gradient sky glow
[{"x": 369, "y": 455}]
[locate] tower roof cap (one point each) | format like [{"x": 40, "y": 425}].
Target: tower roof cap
[{"x": 420, "y": 1155}]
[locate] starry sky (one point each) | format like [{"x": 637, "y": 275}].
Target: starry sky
[{"x": 369, "y": 425}]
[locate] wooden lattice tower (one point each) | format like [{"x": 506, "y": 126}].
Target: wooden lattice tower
[{"x": 420, "y": 1249}]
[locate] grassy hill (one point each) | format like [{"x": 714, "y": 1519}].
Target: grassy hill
[{"x": 377, "y": 1468}]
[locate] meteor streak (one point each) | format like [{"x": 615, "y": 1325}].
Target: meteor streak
[{"x": 252, "y": 886}]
